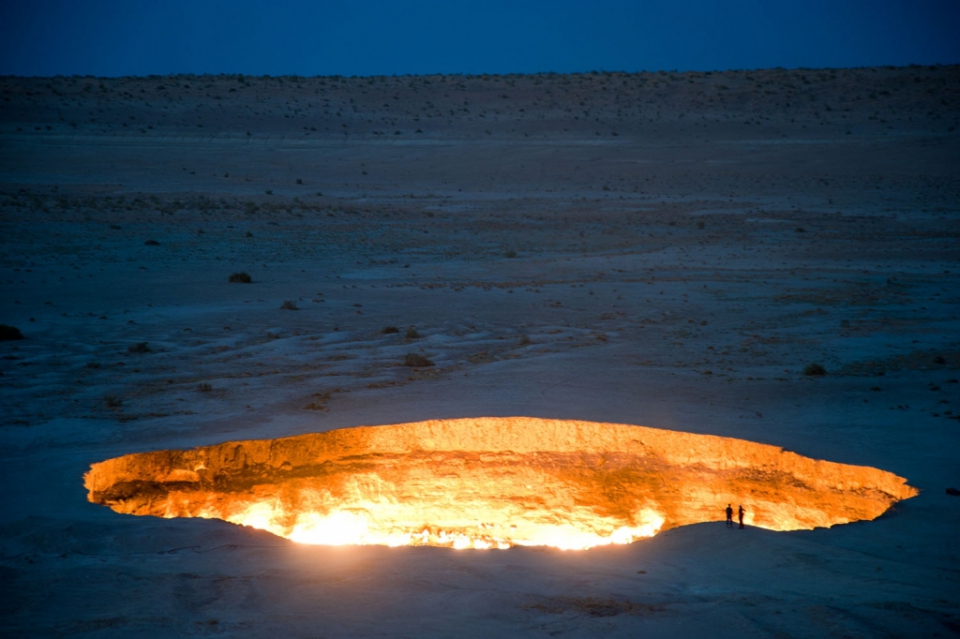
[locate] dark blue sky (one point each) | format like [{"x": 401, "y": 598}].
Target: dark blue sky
[{"x": 385, "y": 37}]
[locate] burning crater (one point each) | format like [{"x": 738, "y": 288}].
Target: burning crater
[{"x": 491, "y": 483}]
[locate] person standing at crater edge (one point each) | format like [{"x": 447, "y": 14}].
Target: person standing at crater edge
[
  {"x": 740, "y": 514},
  {"x": 730, "y": 515}
]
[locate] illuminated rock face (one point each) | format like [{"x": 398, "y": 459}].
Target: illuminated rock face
[{"x": 491, "y": 482}]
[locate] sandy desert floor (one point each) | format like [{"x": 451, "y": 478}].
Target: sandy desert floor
[{"x": 663, "y": 249}]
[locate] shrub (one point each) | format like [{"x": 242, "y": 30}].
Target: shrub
[
  {"x": 386, "y": 330},
  {"x": 9, "y": 333},
  {"x": 299, "y": 181},
  {"x": 288, "y": 306},
  {"x": 112, "y": 401},
  {"x": 412, "y": 333},
  {"x": 416, "y": 361},
  {"x": 510, "y": 254},
  {"x": 204, "y": 387},
  {"x": 152, "y": 243},
  {"x": 814, "y": 370},
  {"x": 139, "y": 347},
  {"x": 240, "y": 278}
]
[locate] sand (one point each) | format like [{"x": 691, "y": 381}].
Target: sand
[{"x": 668, "y": 250}]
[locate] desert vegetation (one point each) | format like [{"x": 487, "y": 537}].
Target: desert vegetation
[
  {"x": 9, "y": 333},
  {"x": 814, "y": 370}
]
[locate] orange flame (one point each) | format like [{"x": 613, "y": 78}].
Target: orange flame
[{"x": 372, "y": 524}]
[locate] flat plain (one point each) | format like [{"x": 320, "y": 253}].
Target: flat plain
[{"x": 670, "y": 250}]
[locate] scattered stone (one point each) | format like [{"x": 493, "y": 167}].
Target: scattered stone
[
  {"x": 139, "y": 347},
  {"x": 416, "y": 361}
]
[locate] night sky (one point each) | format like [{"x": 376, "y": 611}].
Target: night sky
[{"x": 389, "y": 37}]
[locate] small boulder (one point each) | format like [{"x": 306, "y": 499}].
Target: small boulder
[{"x": 415, "y": 360}]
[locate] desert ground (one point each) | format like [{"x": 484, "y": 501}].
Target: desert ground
[{"x": 670, "y": 250}]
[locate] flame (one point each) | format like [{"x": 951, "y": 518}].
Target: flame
[
  {"x": 369, "y": 523},
  {"x": 491, "y": 483}
]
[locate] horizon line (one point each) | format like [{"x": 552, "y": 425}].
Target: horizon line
[{"x": 888, "y": 67}]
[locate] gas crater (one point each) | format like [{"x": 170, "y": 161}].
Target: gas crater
[{"x": 492, "y": 483}]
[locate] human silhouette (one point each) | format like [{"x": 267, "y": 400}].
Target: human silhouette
[
  {"x": 740, "y": 514},
  {"x": 729, "y": 515}
]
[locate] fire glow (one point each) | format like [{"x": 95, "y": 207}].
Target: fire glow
[{"x": 491, "y": 483}]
